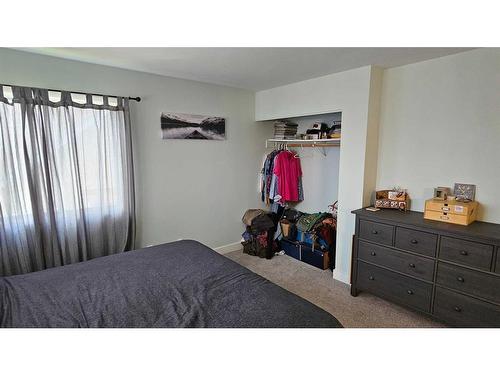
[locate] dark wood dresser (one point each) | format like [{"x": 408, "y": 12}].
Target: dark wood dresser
[{"x": 448, "y": 271}]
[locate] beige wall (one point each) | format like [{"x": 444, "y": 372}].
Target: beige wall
[
  {"x": 440, "y": 124},
  {"x": 185, "y": 188}
]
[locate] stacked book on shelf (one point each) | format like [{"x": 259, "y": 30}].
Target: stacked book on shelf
[{"x": 285, "y": 130}]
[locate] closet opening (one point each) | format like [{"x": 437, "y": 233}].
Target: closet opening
[{"x": 299, "y": 182}]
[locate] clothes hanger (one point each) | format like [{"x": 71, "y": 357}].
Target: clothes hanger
[{"x": 297, "y": 156}]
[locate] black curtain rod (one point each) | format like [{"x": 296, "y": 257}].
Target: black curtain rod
[{"x": 137, "y": 98}]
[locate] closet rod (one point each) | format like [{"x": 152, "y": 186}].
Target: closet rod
[{"x": 137, "y": 98}]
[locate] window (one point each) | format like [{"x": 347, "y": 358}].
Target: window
[{"x": 66, "y": 179}]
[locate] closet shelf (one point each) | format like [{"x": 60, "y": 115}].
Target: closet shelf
[{"x": 331, "y": 142}]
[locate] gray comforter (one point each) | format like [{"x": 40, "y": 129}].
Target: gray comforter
[{"x": 179, "y": 284}]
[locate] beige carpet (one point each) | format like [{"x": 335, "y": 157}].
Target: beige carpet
[{"x": 320, "y": 288}]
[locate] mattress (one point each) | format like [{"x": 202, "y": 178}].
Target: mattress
[{"x": 179, "y": 284}]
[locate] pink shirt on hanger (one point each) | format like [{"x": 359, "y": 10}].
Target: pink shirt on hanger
[{"x": 288, "y": 170}]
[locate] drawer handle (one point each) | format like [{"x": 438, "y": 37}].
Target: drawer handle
[
  {"x": 373, "y": 253},
  {"x": 461, "y": 279},
  {"x": 414, "y": 242},
  {"x": 412, "y": 265},
  {"x": 458, "y": 309},
  {"x": 463, "y": 252},
  {"x": 371, "y": 278},
  {"x": 374, "y": 232},
  {"x": 409, "y": 291}
]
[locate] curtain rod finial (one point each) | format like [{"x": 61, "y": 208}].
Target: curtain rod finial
[{"x": 137, "y": 99}]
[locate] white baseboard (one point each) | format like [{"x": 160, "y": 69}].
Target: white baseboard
[{"x": 228, "y": 248}]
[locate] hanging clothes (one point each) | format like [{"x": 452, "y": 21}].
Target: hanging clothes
[
  {"x": 281, "y": 179},
  {"x": 266, "y": 176},
  {"x": 287, "y": 169}
]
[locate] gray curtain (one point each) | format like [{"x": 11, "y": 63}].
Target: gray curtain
[{"x": 66, "y": 179}]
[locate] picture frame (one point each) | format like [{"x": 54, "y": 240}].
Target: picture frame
[
  {"x": 464, "y": 192},
  {"x": 189, "y": 126},
  {"x": 441, "y": 193}
]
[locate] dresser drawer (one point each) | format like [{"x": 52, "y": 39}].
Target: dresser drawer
[
  {"x": 412, "y": 265},
  {"x": 464, "y": 311},
  {"x": 399, "y": 288},
  {"x": 416, "y": 241},
  {"x": 497, "y": 267},
  {"x": 469, "y": 281},
  {"x": 376, "y": 232},
  {"x": 469, "y": 253}
]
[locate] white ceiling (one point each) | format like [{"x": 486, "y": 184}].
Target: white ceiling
[{"x": 248, "y": 68}]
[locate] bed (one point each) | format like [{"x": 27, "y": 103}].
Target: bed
[{"x": 179, "y": 284}]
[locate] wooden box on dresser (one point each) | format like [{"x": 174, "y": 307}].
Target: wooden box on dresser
[{"x": 448, "y": 271}]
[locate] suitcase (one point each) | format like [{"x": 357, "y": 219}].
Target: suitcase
[
  {"x": 291, "y": 248},
  {"x": 316, "y": 257}
]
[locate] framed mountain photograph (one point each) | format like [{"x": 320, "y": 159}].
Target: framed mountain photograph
[{"x": 185, "y": 126}]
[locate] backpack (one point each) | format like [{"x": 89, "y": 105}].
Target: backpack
[
  {"x": 291, "y": 215},
  {"x": 261, "y": 245},
  {"x": 307, "y": 222}
]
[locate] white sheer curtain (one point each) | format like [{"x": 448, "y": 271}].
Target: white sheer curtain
[{"x": 66, "y": 180}]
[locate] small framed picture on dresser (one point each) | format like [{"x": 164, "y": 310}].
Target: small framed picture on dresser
[{"x": 464, "y": 192}]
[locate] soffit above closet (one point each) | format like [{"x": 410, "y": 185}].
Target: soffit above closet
[{"x": 248, "y": 68}]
